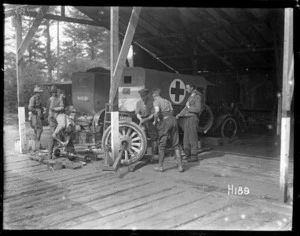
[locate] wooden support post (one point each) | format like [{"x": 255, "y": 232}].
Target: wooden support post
[
  {"x": 124, "y": 51},
  {"x": 286, "y": 102},
  {"x": 118, "y": 66},
  {"x": 21, "y": 46},
  {"x": 20, "y": 86},
  {"x": 114, "y": 52},
  {"x": 279, "y": 96}
]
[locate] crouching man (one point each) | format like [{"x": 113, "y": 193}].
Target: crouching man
[{"x": 65, "y": 129}]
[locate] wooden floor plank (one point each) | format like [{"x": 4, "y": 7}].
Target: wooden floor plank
[
  {"x": 174, "y": 205},
  {"x": 26, "y": 186},
  {"x": 66, "y": 203},
  {"x": 113, "y": 214},
  {"x": 55, "y": 192},
  {"x": 99, "y": 206},
  {"x": 244, "y": 218}
]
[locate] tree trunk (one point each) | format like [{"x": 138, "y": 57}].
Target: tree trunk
[
  {"x": 48, "y": 52},
  {"x": 92, "y": 50}
]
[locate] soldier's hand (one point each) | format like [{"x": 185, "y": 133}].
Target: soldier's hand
[
  {"x": 63, "y": 143},
  {"x": 177, "y": 116}
]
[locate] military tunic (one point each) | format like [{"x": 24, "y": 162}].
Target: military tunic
[
  {"x": 190, "y": 137},
  {"x": 35, "y": 106},
  {"x": 145, "y": 109},
  {"x": 55, "y": 106},
  {"x": 167, "y": 125}
]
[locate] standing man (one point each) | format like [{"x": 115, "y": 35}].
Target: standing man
[
  {"x": 190, "y": 136},
  {"x": 55, "y": 106},
  {"x": 36, "y": 117},
  {"x": 145, "y": 113},
  {"x": 166, "y": 126}
]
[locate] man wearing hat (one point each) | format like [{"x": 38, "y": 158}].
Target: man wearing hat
[
  {"x": 55, "y": 106},
  {"x": 144, "y": 112},
  {"x": 36, "y": 109}
]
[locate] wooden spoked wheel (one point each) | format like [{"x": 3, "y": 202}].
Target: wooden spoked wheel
[{"x": 132, "y": 137}]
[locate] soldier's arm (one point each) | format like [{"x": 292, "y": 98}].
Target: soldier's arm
[
  {"x": 156, "y": 112},
  {"x": 31, "y": 105},
  {"x": 55, "y": 134},
  {"x": 196, "y": 107},
  {"x": 138, "y": 110}
]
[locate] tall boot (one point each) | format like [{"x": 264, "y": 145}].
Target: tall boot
[
  {"x": 193, "y": 158},
  {"x": 187, "y": 153},
  {"x": 160, "y": 167},
  {"x": 154, "y": 151},
  {"x": 179, "y": 161},
  {"x": 37, "y": 144}
]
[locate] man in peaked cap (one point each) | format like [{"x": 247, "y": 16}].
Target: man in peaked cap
[
  {"x": 145, "y": 113},
  {"x": 36, "y": 116}
]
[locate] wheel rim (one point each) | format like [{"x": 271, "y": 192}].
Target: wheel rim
[
  {"x": 206, "y": 119},
  {"x": 229, "y": 128},
  {"x": 133, "y": 139}
]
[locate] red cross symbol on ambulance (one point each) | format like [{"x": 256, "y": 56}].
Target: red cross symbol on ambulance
[{"x": 177, "y": 91}]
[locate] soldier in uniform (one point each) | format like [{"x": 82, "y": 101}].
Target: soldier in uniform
[
  {"x": 145, "y": 113},
  {"x": 65, "y": 128},
  {"x": 166, "y": 126},
  {"x": 36, "y": 116},
  {"x": 190, "y": 136},
  {"x": 55, "y": 106}
]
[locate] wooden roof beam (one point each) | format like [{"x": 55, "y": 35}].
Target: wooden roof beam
[
  {"x": 38, "y": 20},
  {"x": 11, "y": 10},
  {"x": 210, "y": 49},
  {"x": 237, "y": 50},
  {"x": 196, "y": 30},
  {"x": 67, "y": 19}
]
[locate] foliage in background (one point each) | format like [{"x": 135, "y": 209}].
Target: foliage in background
[{"x": 83, "y": 47}]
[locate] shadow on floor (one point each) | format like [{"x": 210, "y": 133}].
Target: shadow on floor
[{"x": 210, "y": 155}]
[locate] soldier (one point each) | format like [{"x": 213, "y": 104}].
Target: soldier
[
  {"x": 36, "y": 116},
  {"x": 166, "y": 126},
  {"x": 190, "y": 136},
  {"x": 65, "y": 128},
  {"x": 145, "y": 113},
  {"x": 55, "y": 106}
]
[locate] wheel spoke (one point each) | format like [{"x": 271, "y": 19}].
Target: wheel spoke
[
  {"x": 136, "y": 138},
  {"x": 133, "y": 134},
  {"x": 135, "y": 149},
  {"x": 123, "y": 131},
  {"x": 128, "y": 131},
  {"x": 136, "y": 144},
  {"x": 130, "y": 152},
  {"x": 126, "y": 155}
]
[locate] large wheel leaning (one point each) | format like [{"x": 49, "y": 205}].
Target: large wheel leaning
[
  {"x": 206, "y": 119},
  {"x": 134, "y": 139},
  {"x": 229, "y": 128}
]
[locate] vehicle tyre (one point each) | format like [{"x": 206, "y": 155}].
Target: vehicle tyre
[
  {"x": 134, "y": 138},
  {"x": 206, "y": 119},
  {"x": 229, "y": 128},
  {"x": 56, "y": 152}
]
